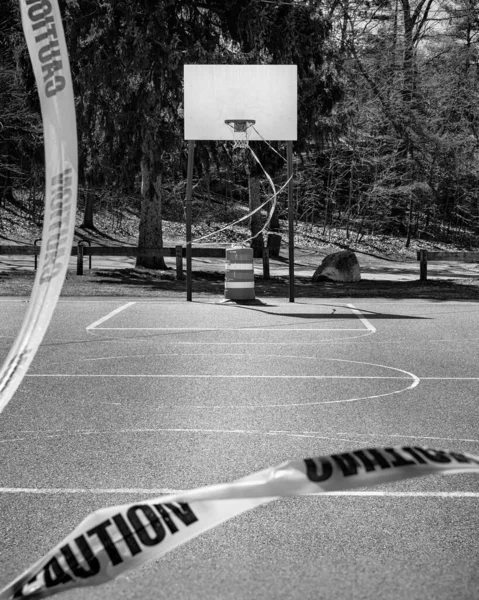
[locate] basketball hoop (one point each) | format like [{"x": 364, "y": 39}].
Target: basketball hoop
[{"x": 241, "y": 131}]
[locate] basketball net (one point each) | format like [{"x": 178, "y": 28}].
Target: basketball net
[{"x": 241, "y": 131}]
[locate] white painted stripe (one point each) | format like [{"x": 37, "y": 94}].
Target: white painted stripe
[
  {"x": 303, "y": 329},
  {"x": 109, "y": 315},
  {"x": 239, "y": 284},
  {"x": 317, "y": 434},
  {"x": 7, "y": 490},
  {"x": 160, "y": 491},
  {"x": 66, "y": 300},
  {"x": 407, "y": 494},
  {"x": 401, "y": 436},
  {"x": 89, "y": 300},
  {"x": 39, "y": 435},
  {"x": 450, "y": 378},
  {"x": 415, "y": 382},
  {"x": 362, "y": 318},
  {"x": 269, "y": 343},
  {"x": 239, "y": 267},
  {"x": 171, "y": 376},
  {"x": 242, "y": 355},
  {"x": 339, "y": 436}
]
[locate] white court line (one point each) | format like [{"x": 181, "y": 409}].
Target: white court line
[
  {"x": 362, "y": 318},
  {"x": 411, "y": 376},
  {"x": 162, "y": 376},
  {"x": 406, "y": 494},
  {"x": 410, "y": 437},
  {"x": 106, "y": 300},
  {"x": 109, "y": 316},
  {"x": 217, "y": 329},
  {"x": 50, "y": 433},
  {"x": 162, "y": 491},
  {"x": 203, "y": 355},
  {"x": 7, "y": 490},
  {"x": 315, "y": 343},
  {"x": 61, "y": 433},
  {"x": 450, "y": 378},
  {"x": 415, "y": 380},
  {"x": 112, "y": 300},
  {"x": 369, "y": 327}
]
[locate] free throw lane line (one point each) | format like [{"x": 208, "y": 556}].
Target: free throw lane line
[
  {"x": 259, "y": 329},
  {"x": 369, "y": 326},
  {"x": 109, "y": 315}
]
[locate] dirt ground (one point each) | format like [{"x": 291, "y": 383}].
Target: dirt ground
[{"x": 150, "y": 284}]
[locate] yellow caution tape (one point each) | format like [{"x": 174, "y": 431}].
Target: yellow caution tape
[
  {"x": 43, "y": 30},
  {"x": 113, "y": 540}
]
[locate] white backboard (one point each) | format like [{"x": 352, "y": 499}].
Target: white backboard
[{"x": 266, "y": 94}]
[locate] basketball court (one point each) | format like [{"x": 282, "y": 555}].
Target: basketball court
[
  {"x": 130, "y": 399},
  {"x": 127, "y": 400}
]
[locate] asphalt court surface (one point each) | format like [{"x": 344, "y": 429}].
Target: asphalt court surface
[{"x": 129, "y": 399}]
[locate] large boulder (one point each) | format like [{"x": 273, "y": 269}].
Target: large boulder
[{"x": 339, "y": 266}]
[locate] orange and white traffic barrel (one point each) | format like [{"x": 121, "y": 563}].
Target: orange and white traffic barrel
[{"x": 239, "y": 274}]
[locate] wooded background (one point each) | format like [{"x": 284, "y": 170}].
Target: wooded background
[{"x": 388, "y": 111}]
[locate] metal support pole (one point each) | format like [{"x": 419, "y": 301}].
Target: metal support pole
[
  {"x": 79, "y": 258},
  {"x": 179, "y": 262},
  {"x": 423, "y": 265},
  {"x": 89, "y": 257},
  {"x": 189, "y": 192},
  {"x": 266, "y": 263},
  {"x": 290, "y": 221}
]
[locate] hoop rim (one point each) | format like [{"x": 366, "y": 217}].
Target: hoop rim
[{"x": 234, "y": 122}]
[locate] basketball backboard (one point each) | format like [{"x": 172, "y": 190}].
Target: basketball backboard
[{"x": 266, "y": 94}]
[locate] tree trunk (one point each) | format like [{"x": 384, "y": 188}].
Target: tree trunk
[
  {"x": 150, "y": 231},
  {"x": 274, "y": 224},
  {"x": 88, "y": 213},
  {"x": 326, "y": 214},
  {"x": 409, "y": 223},
  {"x": 6, "y": 189},
  {"x": 350, "y": 201},
  {"x": 255, "y": 220}
]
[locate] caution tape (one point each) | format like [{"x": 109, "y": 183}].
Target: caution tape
[
  {"x": 45, "y": 38},
  {"x": 113, "y": 540},
  {"x": 274, "y": 198},
  {"x": 271, "y": 199},
  {"x": 248, "y": 216}
]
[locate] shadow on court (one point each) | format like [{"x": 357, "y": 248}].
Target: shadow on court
[
  {"x": 153, "y": 284},
  {"x": 371, "y": 315}
]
